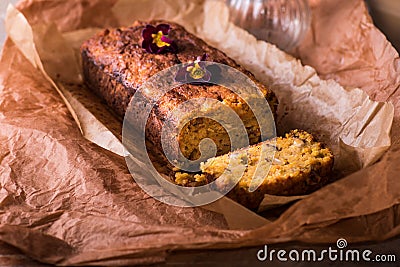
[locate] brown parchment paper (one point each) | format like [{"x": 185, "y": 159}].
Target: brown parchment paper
[
  {"x": 72, "y": 202},
  {"x": 344, "y": 119},
  {"x": 51, "y": 52}
]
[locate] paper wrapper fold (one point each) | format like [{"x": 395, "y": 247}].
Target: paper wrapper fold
[{"x": 63, "y": 180}]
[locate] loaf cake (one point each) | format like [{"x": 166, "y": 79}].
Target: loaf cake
[
  {"x": 117, "y": 62},
  {"x": 294, "y": 165},
  {"x": 115, "y": 65}
]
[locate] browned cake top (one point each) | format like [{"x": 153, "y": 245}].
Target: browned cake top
[
  {"x": 124, "y": 44},
  {"x": 118, "y": 52}
]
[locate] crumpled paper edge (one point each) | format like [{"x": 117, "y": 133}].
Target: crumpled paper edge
[{"x": 98, "y": 133}]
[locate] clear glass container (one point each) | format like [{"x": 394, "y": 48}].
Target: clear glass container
[{"x": 281, "y": 22}]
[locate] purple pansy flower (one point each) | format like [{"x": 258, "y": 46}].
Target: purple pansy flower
[
  {"x": 156, "y": 41},
  {"x": 195, "y": 72}
]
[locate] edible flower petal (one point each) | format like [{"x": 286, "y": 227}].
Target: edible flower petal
[
  {"x": 195, "y": 72},
  {"x": 156, "y": 40}
]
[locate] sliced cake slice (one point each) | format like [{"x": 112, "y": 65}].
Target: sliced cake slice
[{"x": 299, "y": 165}]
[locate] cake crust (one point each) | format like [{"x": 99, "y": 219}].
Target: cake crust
[{"x": 115, "y": 66}]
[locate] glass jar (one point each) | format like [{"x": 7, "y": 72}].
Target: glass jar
[{"x": 281, "y": 22}]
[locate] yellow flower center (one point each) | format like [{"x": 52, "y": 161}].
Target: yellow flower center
[
  {"x": 196, "y": 72},
  {"x": 157, "y": 39}
]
